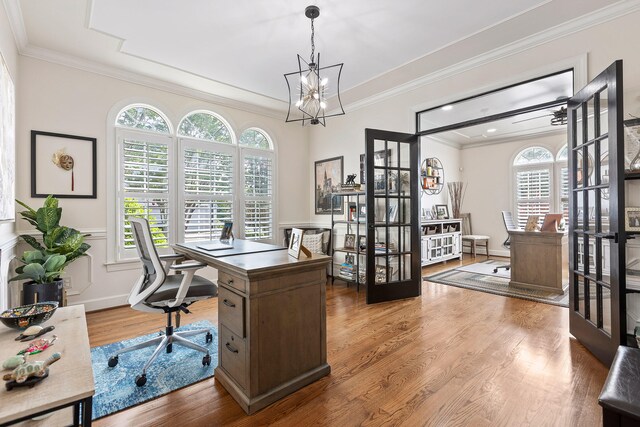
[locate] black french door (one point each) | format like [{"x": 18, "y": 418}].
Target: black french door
[
  {"x": 393, "y": 227},
  {"x": 597, "y": 302}
]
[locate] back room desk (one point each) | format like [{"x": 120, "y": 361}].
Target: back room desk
[
  {"x": 539, "y": 260},
  {"x": 272, "y": 318}
]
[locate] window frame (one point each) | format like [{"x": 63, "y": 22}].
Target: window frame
[{"x": 120, "y": 259}]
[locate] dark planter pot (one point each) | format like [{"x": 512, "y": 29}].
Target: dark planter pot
[{"x": 41, "y": 292}]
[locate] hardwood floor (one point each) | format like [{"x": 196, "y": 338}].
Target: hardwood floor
[{"x": 450, "y": 357}]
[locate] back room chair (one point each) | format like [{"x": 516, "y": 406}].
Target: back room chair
[
  {"x": 507, "y": 218},
  {"x": 158, "y": 292},
  {"x": 474, "y": 240}
]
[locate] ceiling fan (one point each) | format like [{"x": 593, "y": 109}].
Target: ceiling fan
[{"x": 558, "y": 117}]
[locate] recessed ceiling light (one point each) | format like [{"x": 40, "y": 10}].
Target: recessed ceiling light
[
  {"x": 447, "y": 108},
  {"x": 491, "y": 130}
]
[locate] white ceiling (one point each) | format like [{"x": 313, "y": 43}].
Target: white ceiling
[{"x": 240, "y": 50}]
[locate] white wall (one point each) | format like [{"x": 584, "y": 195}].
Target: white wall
[
  {"x": 9, "y": 52},
  {"x": 61, "y": 99}
]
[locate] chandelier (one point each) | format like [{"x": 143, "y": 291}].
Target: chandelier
[{"x": 310, "y": 86}]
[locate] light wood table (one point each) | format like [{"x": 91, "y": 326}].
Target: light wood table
[
  {"x": 272, "y": 319},
  {"x": 539, "y": 260},
  {"x": 70, "y": 380}
]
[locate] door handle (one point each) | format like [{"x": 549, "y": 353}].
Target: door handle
[
  {"x": 230, "y": 348},
  {"x": 613, "y": 237},
  {"x": 228, "y": 303}
]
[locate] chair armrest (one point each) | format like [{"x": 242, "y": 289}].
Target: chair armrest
[
  {"x": 168, "y": 257},
  {"x": 188, "y": 266}
]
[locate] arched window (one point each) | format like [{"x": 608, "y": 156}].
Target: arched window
[
  {"x": 188, "y": 180},
  {"x": 533, "y": 176},
  {"x": 144, "y": 174},
  {"x": 257, "y": 183},
  {"x": 207, "y": 159},
  {"x": 562, "y": 169},
  {"x": 205, "y": 125}
]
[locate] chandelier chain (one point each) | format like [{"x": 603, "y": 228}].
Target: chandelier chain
[{"x": 313, "y": 45}]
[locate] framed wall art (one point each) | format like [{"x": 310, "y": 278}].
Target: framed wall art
[
  {"x": 63, "y": 165},
  {"x": 328, "y": 177},
  {"x": 7, "y": 144}
]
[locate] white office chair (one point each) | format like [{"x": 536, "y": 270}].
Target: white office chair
[
  {"x": 157, "y": 291},
  {"x": 507, "y": 218}
]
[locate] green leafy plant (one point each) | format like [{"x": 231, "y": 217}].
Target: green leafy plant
[{"x": 60, "y": 245}]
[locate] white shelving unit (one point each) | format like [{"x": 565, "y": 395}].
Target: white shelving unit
[{"x": 441, "y": 240}]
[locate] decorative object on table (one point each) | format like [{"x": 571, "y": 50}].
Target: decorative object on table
[
  {"x": 632, "y": 145},
  {"x": 431, "y": 176},
  {"x": 27, "y": 315},
  {"x": 295, "y": 244},
  {"x": 632, "y": 219},
  {"x": 532, "y": 223},
  {"x": 63, "y": 165},
  {"x": 226, "y": 232},
  {"x": 552, "y": 222},
  {"x": 42, "y": 331},
  {"x": 351, "y": 179},
  {"x": 33, "y": 332},
  {"x": 362, "y": 243},
  {"x": 14, "y": 361},
  {"x": 442, "y": 211},
  {"x": 350, "y": 184},
  {"x": 31, "y": 369},
  {"x": 312, "y": 85},
  {"x": 349, "y": 241},
  {"x": 38, "y": 346},
  {"x": 45, "y": 264},
  {"x": 7, "y": 144},
  {"x": 456, "y": 194},
  {"x": 114, "y": 390},
  {"x": 328, "y": 176}
]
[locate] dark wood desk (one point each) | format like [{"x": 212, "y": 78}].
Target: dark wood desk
[{"x": 272, "y": 323}]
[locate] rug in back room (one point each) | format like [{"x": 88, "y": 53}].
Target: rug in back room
[
  {"x": 480, "y": 277},
  {"x": 115, "y": 387}
]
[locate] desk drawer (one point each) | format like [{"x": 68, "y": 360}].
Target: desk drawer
[
  {"x": 231, "y": 311},
  {"x": 232, "y": 281},
  {"x": 233, "y": 356}
]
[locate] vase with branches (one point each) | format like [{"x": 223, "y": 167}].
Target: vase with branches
[{"x": 456, "y": 194}]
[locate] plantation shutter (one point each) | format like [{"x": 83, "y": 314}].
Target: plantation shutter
[
  {"x": 533, "y": 193},
  {"x": 564, "y": 193},
  {"x": 258, "y": 195},
  {"x": 208, "y": 172},
  {"x": 144, "y": 186}
]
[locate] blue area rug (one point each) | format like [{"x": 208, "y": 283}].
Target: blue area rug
[{"x": 115, "y": 387}]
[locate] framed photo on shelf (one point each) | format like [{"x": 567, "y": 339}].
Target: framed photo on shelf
[
  {"x": 381, "y": 273},
  {"x": 362, "y": 213},
  {"x": 442, "y": 211},
  {"x": 63, "y": 165},
  {"x": 632, "y": 219},
  {"x": 328, "y": 177},
  {"x": 349, "y": 241},
  {"x": 350, "y": 259}
]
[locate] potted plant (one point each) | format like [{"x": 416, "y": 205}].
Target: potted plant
[{"x": 44, "y": 265}]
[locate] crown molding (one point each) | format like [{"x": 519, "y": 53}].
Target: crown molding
[
  {"x": 14, "y": 14},
  {"x": 567, "y": 28}
]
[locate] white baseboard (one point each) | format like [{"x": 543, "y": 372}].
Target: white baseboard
[{"x": 101, "y": 303}]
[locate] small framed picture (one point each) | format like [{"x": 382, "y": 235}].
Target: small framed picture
[
  {"x": 295, "y": 242},
  {"x": 381, "y": 274},
  {"x": 349, "y": 241},
  {"x": 632, "y": 219},
  {"x": 226, "y": 232},
  {"x": 442, "y": 211},
  {"x": 362, "y": 213},
  {"x": 362, "y": 243},
  {"x": 352, "y": 211},
  {"x": 350, "y": 259}
]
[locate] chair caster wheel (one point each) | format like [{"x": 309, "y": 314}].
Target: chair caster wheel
[
  {"x": 206, "y": 360},
  {"x": 495, "y": 270},
  {"x": 169, "y": 348},
  {"x": 113, "y": 361},
  {"x": 209, "y": 337},
  {"x": 141, "y": 380}
]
